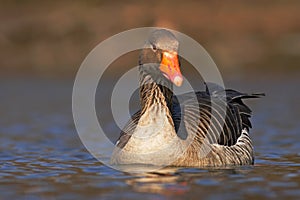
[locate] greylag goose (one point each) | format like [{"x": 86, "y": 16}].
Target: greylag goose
[{"x": 181, "y": 130}]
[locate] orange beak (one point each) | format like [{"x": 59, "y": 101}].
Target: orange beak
[{"x": 169, "y": 66}]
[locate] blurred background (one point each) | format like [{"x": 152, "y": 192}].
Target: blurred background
[
  {"x": 51, "y": 38},
  {"x": 255, "y": 44}
]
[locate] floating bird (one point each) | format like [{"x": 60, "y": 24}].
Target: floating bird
[{"x": 195, "y": 129}]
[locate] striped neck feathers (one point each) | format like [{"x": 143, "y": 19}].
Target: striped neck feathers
[{"x": 155, "y": 91}]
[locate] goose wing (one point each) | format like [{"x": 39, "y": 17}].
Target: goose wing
[{"x": 218, "y": 115}]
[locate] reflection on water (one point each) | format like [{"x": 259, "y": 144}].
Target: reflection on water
[{"x": 42, "y": 157}]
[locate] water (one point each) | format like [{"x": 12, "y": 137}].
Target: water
[{"x": 41, "y": 156}]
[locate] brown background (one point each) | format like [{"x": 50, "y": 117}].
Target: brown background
[{"x": 52, "y": 38}]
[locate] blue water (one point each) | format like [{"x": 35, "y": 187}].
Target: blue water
[{"x": 42, "y": 157}]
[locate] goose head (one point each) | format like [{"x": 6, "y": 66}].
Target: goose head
[{"x": 159, "y": 58}]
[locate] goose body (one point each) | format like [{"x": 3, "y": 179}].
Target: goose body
[{"x": 196, "y": 129}]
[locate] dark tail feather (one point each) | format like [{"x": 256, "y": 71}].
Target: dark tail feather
[
  {"x": 233, "y": 95},
  {"x": 215, "y": 89},
  {"x": 236, "y": 98}
]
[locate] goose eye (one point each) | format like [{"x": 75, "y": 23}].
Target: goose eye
[{"x": 154, "y": 48}]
